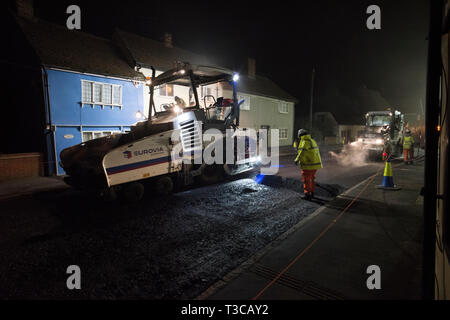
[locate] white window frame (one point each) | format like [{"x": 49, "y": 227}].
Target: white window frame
[
  {"x": 283, "y": 107},
  {"x": 104, "y": 133},
  {"x": 207, "y": 97},
  {"x": 246, "y": 105},
  {"x": 205, "y": 91},
  {"x": 102, "y": 103},
  {"x": 282, "y": 136},
  {"x": 120, "y": 95}
]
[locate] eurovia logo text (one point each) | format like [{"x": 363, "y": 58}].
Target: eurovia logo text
[{"x": 128, "y": 154}]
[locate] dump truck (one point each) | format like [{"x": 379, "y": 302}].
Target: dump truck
[
  {"x": 383, "y": 131},
  {"x": 121, "y": 164}
]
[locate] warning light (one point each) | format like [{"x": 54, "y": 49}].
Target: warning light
[{"x": 438, "y": 128}]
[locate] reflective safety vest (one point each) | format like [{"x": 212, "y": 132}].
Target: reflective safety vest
[
  {"x": 308, "y": 155},
  {"x": 408, "y": 142}
]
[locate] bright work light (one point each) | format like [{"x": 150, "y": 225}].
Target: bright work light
[
  {"x": 235, "y": 77},
  {"x": 140, "y": 115}
]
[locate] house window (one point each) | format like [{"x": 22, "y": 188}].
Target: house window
[
  {"x": 166, "y": 90},
  {"x": 246, "y": 104},
  {"x": 206, "y": 92},
  {"x": 101, "y": 93},
  {"x": 86, "y": 91},
  {"x": 107, "y": 94},
  {"x": 90, "y": 135},
  {"x": 97, "y": 92},
  {"x": 117, "y": 95},
  {"x": 283, "y": 107},
  {"x": 207, "y": 95},
  {"x": 283, "y": 133}
]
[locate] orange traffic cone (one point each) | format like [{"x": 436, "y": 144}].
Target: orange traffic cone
[{"x": 388, "y": 179}]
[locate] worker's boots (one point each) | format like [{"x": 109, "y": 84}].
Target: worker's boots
[{"x": 308, "y": 196}]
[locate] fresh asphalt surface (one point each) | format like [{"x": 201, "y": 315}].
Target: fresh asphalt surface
[{"x": 159, "y": 248}]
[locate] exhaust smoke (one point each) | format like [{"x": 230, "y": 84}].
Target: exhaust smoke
[{"x": 351, "y": 155}]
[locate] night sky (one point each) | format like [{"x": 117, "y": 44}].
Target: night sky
[{"x": 356, "y": 69}]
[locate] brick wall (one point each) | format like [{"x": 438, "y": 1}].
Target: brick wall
[{"x": 19, "y": 165}]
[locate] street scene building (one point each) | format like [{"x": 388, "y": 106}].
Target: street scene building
[
  {"x": 89, "y": 91},
  {"x": 95, "y": 87}
]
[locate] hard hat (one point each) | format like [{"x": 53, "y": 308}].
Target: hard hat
[
  {"x": 302, "y": 132},
  {"x": 407, "y": 131}
]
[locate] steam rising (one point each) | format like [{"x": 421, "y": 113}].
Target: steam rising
[{"x": 351, "y": 155}]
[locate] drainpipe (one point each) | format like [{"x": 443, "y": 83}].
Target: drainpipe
[{"x": 48, "y": 118}]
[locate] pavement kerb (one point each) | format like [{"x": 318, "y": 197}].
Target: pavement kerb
[{"x": 22, "y": 194}]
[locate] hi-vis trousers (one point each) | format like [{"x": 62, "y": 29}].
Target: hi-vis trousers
[
  {"x": 408, "y": 154},
  {"x": 308, "y": 181}
]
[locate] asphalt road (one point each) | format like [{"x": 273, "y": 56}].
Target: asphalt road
[{"x": 159, "y": 248}]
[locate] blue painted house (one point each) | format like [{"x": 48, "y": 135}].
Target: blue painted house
[{"x": 89, "y": 90}]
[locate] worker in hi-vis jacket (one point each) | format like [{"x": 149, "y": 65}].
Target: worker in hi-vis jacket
[
  {"x": 308, "y": 158},
  {"x": 408, "y": 147}
]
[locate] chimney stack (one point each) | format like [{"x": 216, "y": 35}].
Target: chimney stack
[
  {"x": 168, "y": 40},
  {"x": 251, "y": 68},
  {"x": 25, "y": 9}
]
